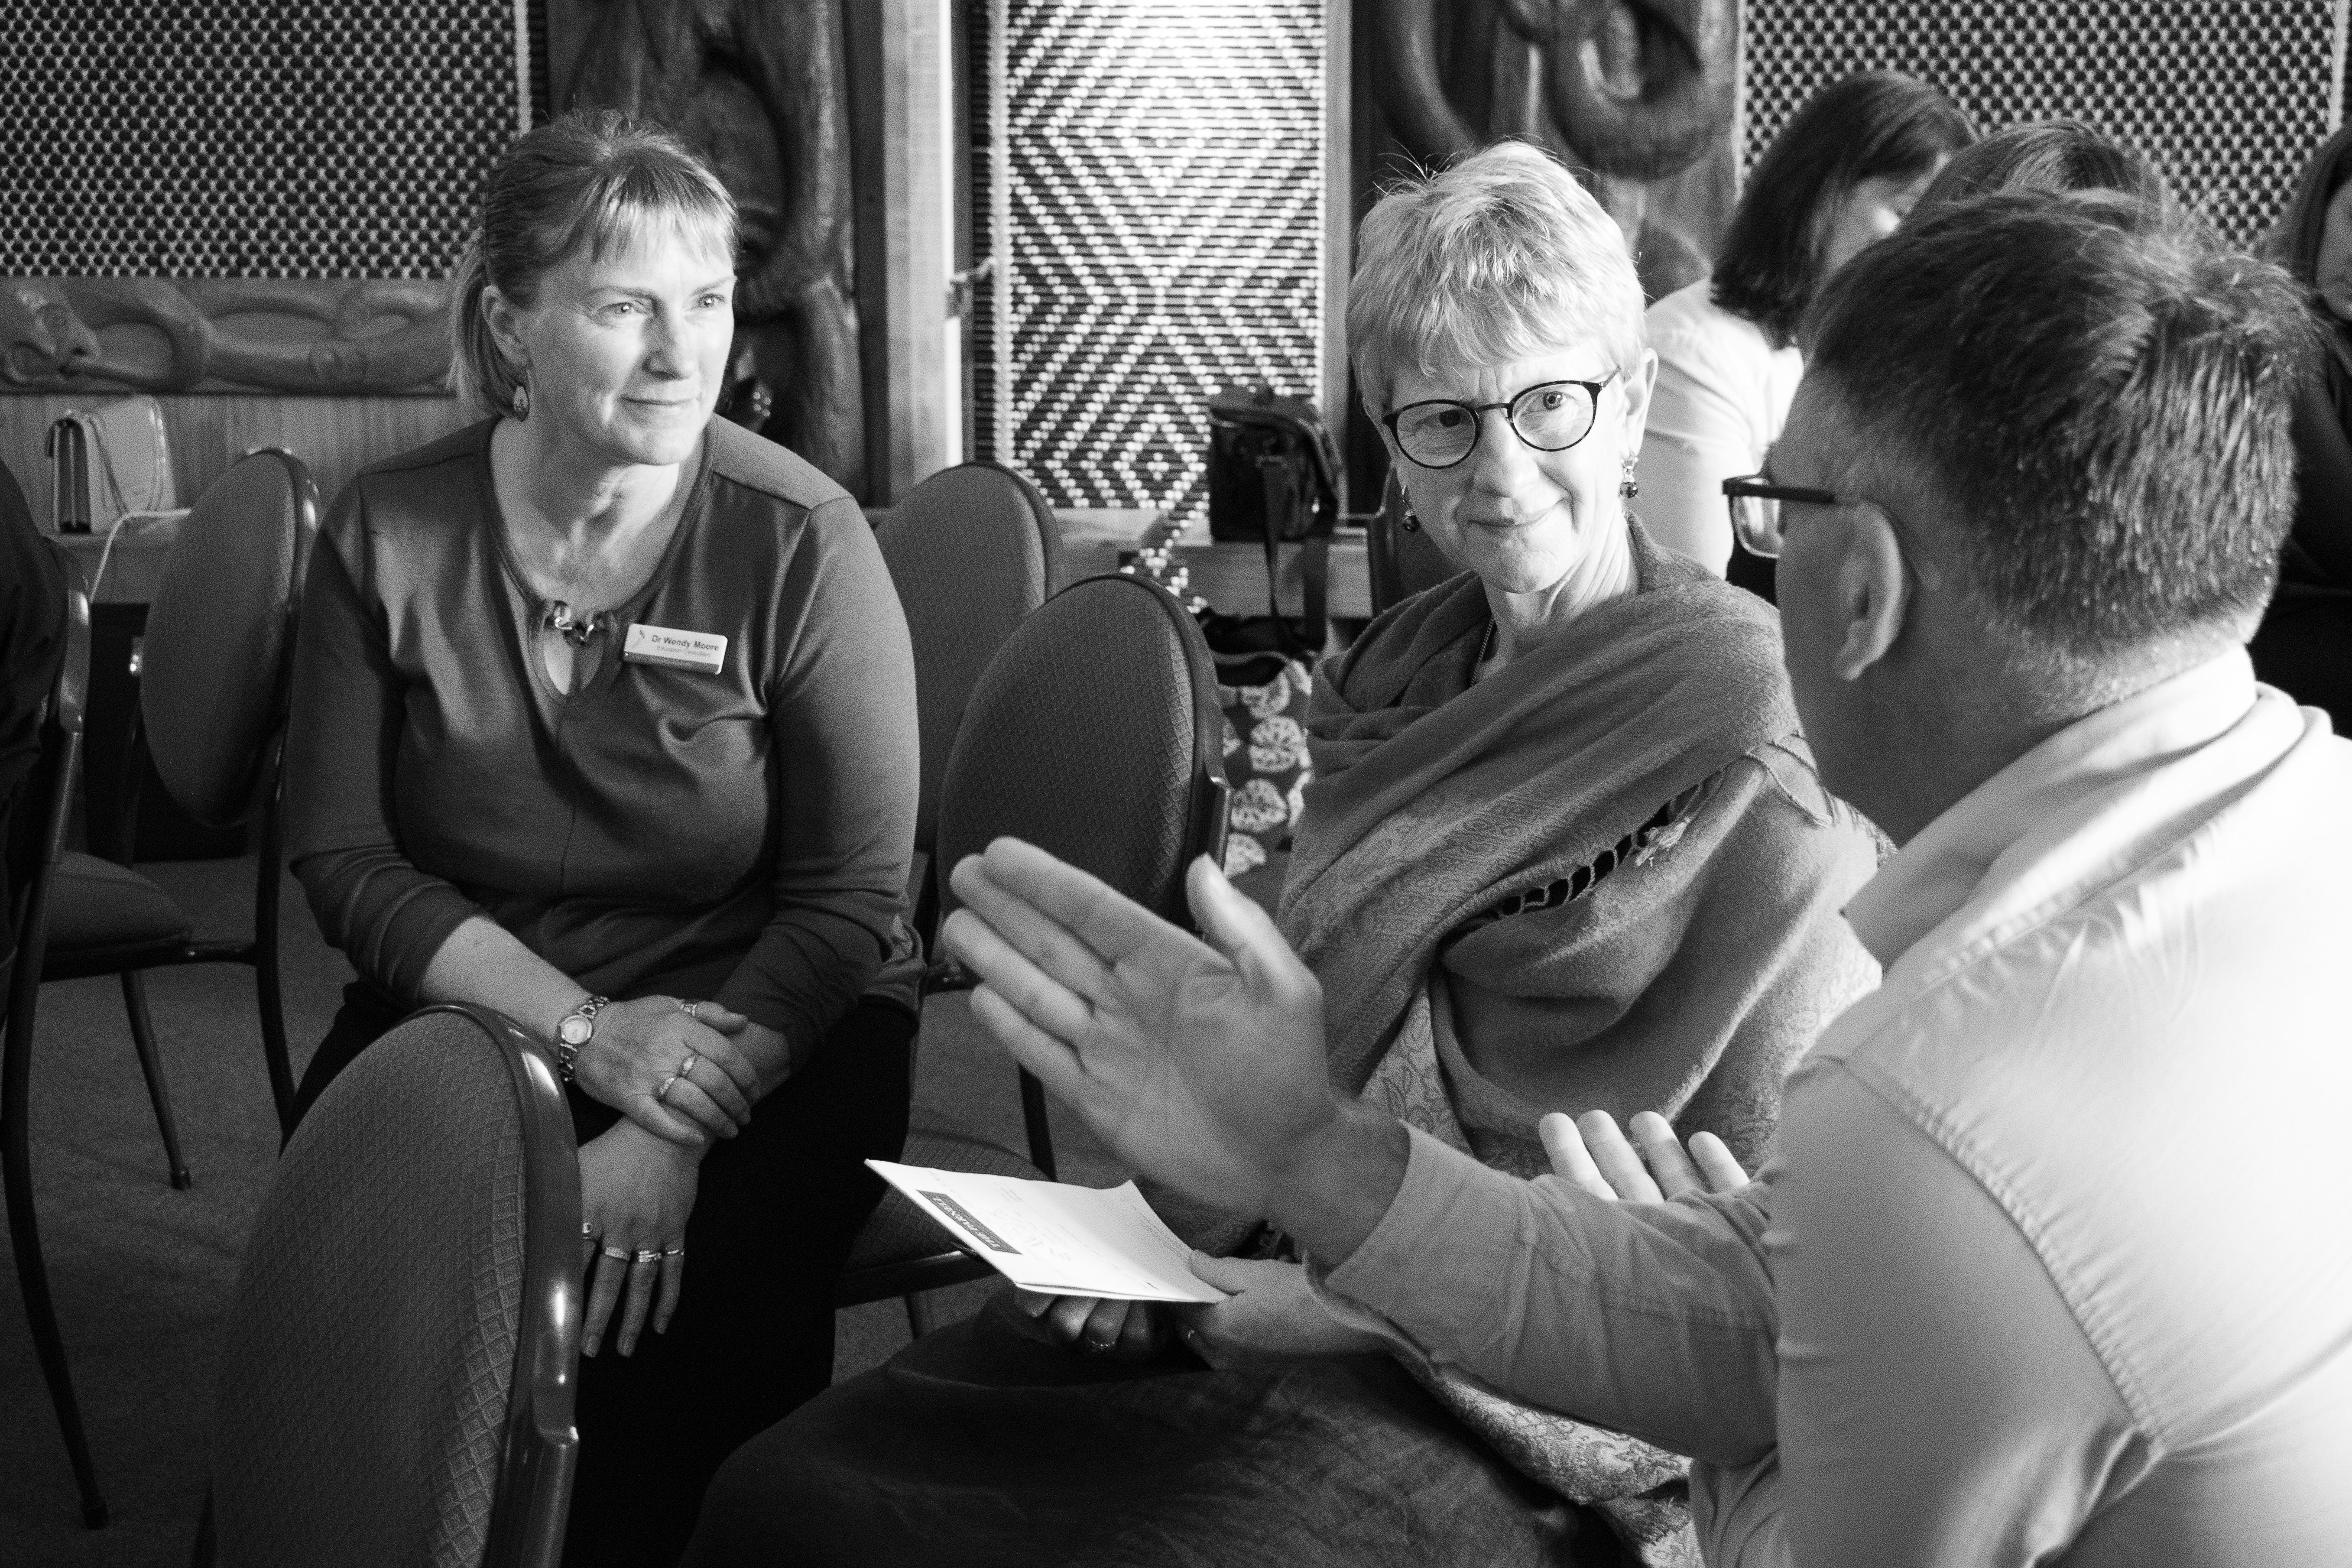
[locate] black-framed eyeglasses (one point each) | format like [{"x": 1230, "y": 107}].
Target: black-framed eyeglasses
[
  {"x": 1550, "y": 416},
  {"x": 1756, "y": 502}
]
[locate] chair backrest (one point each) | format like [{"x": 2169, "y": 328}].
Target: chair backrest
[
  {"x": 972, "y": 550},
  {"x": 1095, "y": 734},
  {"x": 1400, "y": 563},
  {"x": 396, "y": 1381},
  {"x": 217, "y": 673}
]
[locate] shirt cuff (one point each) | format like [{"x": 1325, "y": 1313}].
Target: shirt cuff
[{"x": 1452, "y": 1219}]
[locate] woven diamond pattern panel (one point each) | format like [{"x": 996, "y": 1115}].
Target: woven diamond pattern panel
[
  {"x": 2228, "y": 96},
  {"x": 1162, "y": 234},
  {"x": 219, "y": 139}
]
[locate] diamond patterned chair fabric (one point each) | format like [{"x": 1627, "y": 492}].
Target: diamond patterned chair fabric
[
  {"x": 396, "y": 1379},
  {"x": 216, "y": 675},
  {"x": 1095, "y": 736}
]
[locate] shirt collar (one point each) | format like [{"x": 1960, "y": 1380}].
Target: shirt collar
[{"x": 1936, "y": 873}]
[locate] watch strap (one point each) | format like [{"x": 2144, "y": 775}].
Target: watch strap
[{"x": 567, "y": 1053}]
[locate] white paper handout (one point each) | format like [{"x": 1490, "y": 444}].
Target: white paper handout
[{"x": 1054, "y": 1237}]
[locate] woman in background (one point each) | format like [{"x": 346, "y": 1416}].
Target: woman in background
[
  {"x": 2048, "y": 155},
  {"x": 603, "y": 707},
  {"x": 1842, "y": 173},
  {"x": 2304, "y": 644}
]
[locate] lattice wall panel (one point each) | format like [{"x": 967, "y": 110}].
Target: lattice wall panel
[
  {"x": 2228, "y": 96},
  {"x": 1162, "y": 234},
  {"x": 221, "y": 139}
]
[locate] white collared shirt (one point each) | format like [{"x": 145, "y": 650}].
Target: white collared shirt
[{"x": 2052, "y": 1258}]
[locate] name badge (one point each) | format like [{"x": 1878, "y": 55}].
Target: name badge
[{"x": 700, "y": 651}]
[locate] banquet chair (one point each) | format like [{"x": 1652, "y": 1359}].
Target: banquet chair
[
  {"x": 214, "y": 687},
  {"x": 47, "y": 801},
  {"x": 1106, "y": 694},
  {"x": 398, "y": 1368},
  {"x": 972, "y": 550},
  {"x": 1400, "y": 563}
]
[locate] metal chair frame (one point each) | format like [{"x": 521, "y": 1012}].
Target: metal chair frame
[
  {"x": 54, "y": 779},
  {"x": 260, "y": 951},
  {"x": 1206, "y": 818}
]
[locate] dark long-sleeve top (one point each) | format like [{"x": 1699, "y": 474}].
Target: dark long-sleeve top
[{"x": 743, "y": 835}]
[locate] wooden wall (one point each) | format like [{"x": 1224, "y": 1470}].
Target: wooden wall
[{"x": 337, "y": 437}]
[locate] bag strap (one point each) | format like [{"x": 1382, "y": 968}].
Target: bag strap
[{"x": 1315, "y": 565}]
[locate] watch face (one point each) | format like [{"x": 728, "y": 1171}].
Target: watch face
[{"x": 575, "y": 1030}]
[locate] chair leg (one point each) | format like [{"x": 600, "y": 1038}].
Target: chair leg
[
  {"x": 268, "y": 992},
  {"x": 142, "y": 1035},
  {"x": 32, "y": 1271},
  {"x": 921, "y": 1318}
]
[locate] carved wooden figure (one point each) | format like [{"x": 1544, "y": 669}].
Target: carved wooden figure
[
  {"x": 1638, "y": 93},
  {"x": 757, "y": 86},
  {"x": 223, "y": 334}
]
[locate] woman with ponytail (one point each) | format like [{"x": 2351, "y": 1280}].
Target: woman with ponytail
[{"x": 604, "y": 717}]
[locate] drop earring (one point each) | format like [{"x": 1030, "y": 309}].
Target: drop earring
[
  {"x": 1411, "y": 523},
  {"x": 520, "y": 401},
  {"x": 1629, "y": 487}
]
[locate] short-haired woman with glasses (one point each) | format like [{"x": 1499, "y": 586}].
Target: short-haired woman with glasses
[{"x": 1564, "y": 852}]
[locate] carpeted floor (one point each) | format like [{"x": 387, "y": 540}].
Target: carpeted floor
[{"x": 141, "y": 1273}]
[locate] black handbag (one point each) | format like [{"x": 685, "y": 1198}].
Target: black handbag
[{"x": 1273, "y": 477}]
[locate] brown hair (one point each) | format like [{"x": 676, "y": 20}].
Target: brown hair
[{"x": 597, "y": 176}]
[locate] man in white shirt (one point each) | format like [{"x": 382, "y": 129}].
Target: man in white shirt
[{"x": 2049, "y": 1263}]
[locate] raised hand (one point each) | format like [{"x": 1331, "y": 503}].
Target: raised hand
[{"x": 1198, "y": 1062}]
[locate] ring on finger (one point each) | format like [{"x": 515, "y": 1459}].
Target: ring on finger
[
  {"x": 587, "y": 1230},
  {"x": 688, "y": 1009},
  {"x": 685, "y": 1067},
  {"x": 675, "y": 1252},
  {"x": 662, "y": 1093},
  {"x": 618, "y": 1254},
  {"x": 646, "y": 1255}
]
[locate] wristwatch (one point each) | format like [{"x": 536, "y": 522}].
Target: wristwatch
[{"x": 575, "y": 1029}]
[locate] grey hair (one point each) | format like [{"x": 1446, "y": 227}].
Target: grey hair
[{"x": 1503, "y": 255}]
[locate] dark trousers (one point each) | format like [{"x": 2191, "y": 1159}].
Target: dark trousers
[{"x": 773, "y": 1220}]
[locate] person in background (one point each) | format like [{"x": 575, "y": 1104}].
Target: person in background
[
  {"x": 1981, "y": 1309},
  {"x": 32, "y": 641},
  {"x": 604, "y": 719},
  {"x": 2046, "y": 156},
  {"x": 2304, "y": 645},
  {"x": 1841, "y": 173},
  {"x": 1564, "y": 851}
]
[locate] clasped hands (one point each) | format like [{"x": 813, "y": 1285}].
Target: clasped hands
[{"x": 683, "y": 1077}]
